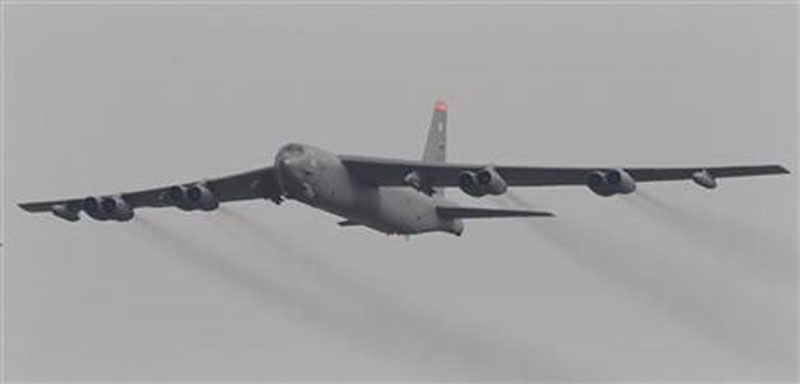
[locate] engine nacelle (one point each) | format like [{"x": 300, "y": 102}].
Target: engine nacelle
[
  {"x": 115, "y": 208},
  {"x": 608, "y": 183},
  {"x": 483, "y": 182},
  {"x": 91, "y": 205},
  {"x": 491, "y": 181},
  {"x": 200, "y": 196},
  {"x": 468, "y": 182},
  {"x": 197, "y": 196},
  {"x": 177, "y": 196}
]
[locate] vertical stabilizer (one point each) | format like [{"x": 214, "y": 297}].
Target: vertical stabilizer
[{"x": 436, "y": 145}]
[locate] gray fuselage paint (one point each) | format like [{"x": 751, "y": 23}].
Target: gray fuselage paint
[{"x": 319, "y": 179}]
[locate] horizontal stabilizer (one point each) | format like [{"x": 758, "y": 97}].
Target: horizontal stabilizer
[
  {"x": 348, "y": 223},
  {"x": 477, "y": 213}
]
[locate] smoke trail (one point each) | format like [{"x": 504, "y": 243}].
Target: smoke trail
[
  {"x": 750, "y": 248},
  {"x": 397, "y": 327},
  {"x": 660, "y": 278},
  {"x": 352, "y": 309},
  {"x": 519, "y": 201},
  {"x": 258, "y": 286}
]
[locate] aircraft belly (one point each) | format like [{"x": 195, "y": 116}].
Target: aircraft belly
[
  {"x": 406, "y": 210},
  {"x": 389, "y": 210},
  {"x": 386, "y": 209},
  {"x": 325, "y": 183}
]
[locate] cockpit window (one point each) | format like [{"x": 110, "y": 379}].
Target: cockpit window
[{"x": 295, "y": 149}]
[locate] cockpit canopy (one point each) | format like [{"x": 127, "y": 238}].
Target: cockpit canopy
[{"x": 293, "y": 149}]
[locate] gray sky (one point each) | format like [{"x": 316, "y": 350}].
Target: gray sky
[{"x": 674, "y": 282}]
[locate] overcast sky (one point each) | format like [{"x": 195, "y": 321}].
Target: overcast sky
[{"x": 673, "y": 282}]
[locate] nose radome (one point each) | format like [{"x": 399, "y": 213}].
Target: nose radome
[{"x": 286, "y": 165}]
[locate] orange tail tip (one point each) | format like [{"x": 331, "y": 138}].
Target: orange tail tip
[{"x": 440, "y": 105}]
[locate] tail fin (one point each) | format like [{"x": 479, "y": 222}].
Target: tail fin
[{"x": 436, "y": 145}]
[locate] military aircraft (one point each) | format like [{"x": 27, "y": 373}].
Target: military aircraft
[{"x": 389, "y": 195}]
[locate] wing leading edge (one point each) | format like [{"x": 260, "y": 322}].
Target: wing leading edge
[
  {"x": 204, "y": 194},
  {"x": 393, "y": 172}
]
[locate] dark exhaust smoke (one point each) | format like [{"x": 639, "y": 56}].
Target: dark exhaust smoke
[
  {"x": 669, "y": 280},
  {"x": 747, "y": 247},
  {"x": 275, "y": 270}
]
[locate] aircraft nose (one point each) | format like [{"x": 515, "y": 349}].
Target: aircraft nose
[
  {"x": 286, "y": 165},
  {"x": 290, "y": 162},
  {"x": 289, "y": 165}
]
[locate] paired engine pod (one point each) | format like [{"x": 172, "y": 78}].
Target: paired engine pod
[
  {"x": 468, "y": 182},
  {"x": 483, "y": 182},
  {"x": 115, "y": 208},
  {"x": 491, "y": 181},
  {"x": 176, "y": 195},
  {"x": 597, "y": 183},
  {"x": 91, "y": 205},
  {"x": 621, "y": 181},
  {"x": 200, "y": 196},
  {"x": 609, "y": 183},
  {"x": 196, "y": 196},
  {"x": 104, "y": 208}
]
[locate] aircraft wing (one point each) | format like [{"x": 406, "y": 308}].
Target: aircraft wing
[
  {"x": 392, "y": 172},
  {"x": 204, "y": 194}
]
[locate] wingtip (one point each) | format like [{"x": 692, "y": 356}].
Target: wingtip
[
  {"x": 539, "y": 214},
  {"x": 25, "y": 207}
]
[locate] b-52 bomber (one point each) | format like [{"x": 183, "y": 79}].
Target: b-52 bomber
[{"x": 392, "y": 196}]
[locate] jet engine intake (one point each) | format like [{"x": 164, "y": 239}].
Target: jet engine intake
[
  {"x": 609, "y": 183},
  {"x": 483, "y": 182},
  {"x": 91, "y": 205},
  {"x": 200, "y": 196},
  {"x": 176, "y": 194},
  {"x": 196, "y": 196},
  {"x": 468, "y": 182},
  {"x": 115, "y": 208},
  {"x": 491, "y": 181}
]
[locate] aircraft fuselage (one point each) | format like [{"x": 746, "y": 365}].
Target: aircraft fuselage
[{"x": 319, "y": 179}]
